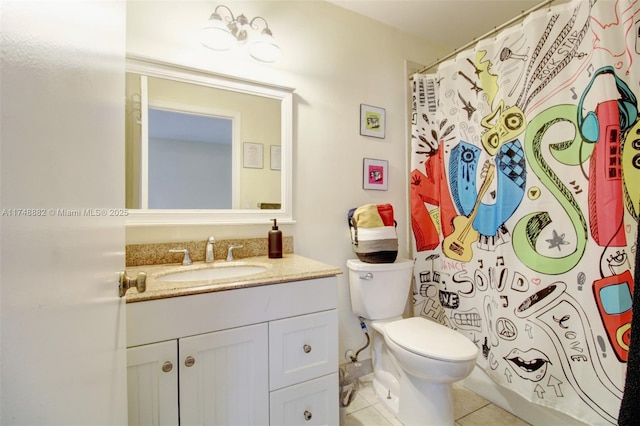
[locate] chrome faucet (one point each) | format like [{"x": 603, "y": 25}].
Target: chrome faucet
[
  {"x": 187, "y": 258},
  {"x": 230, "y": 252},
  {"x": 208, "y": 257}
]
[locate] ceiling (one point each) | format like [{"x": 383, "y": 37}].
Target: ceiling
[{"x": 449, "y": 23}]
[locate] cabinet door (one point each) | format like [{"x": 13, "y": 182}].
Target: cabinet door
[
  {"x": 303, "y": 347},
  {"x": 152, "y": 384},
  {"x": 311, "y": 403},
  {"x": 224, "y": 378}
]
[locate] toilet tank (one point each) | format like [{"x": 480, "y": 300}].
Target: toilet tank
[{"x": 379, "y": 290}]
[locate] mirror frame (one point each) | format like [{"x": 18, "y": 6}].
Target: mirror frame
[{"x": 155, "y": 217}]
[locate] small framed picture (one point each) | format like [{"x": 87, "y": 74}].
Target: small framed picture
[
  {"x": 375, "y": 174},
  {"x": 253, "y": 155},
  {"x": 372, "y": 121},
  {"x": 276, "y": 157}
]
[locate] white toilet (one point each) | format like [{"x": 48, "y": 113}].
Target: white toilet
[{"x": 417, "y": 360}]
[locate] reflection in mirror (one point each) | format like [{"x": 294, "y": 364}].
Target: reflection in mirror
[
  {"x": 190, "y": 160},
  {"x": 205, "y": 148}
]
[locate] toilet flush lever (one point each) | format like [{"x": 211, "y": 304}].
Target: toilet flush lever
[{"x": 369, "y": 276}]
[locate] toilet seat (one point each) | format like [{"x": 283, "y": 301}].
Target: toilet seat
[{"x": 429, "y": 339}]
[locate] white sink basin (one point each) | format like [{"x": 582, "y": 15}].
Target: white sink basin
[{"x": 213, "y": 273}]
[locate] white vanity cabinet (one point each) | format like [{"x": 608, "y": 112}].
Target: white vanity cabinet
[
  {"x": 250, "y": 356},
  {"x": 152, "y": 384},
  {"x": 222, "y": 378},
  {"x": 303, "y": 369}
]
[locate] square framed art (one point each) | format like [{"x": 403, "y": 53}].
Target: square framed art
[
  {"x": 372, "y": 121},
  {"x": 375, "y": 174}
]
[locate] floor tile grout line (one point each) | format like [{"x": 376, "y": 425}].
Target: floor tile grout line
[
  {"x": 370, "y": 405},
  {"x": 471, "y": 412}
]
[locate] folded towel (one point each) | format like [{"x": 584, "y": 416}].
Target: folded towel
[
  {"x": 373, "y": 233},
  {"x": 367, "y": 216},
  {"x": 386, "y": 213}
]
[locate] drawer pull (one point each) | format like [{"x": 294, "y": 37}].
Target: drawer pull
[
  {"x": 189, "y": 361},
  {"x": 167, "y": 366},
  {"x": 306, "y": 348},
  {"x": 307, "y": 415}
]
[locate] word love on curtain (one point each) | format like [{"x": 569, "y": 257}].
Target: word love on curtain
[{"x": 525, "y": 202}]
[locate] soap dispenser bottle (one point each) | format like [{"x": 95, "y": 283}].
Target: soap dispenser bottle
[{"x": 275, "y": 241}]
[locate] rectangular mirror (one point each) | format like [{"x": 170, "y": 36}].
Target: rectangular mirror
[{"x": 204, "y": 148}]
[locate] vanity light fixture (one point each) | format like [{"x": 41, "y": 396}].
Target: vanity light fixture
[{"x": 225, "y": 33}]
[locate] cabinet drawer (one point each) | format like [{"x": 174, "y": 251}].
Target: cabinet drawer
[
  {"x": 302, "y": 348},
  {"x": 311, "y": 403}
]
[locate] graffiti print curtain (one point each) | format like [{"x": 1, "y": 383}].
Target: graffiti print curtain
[{"x": 525, "y": 190}]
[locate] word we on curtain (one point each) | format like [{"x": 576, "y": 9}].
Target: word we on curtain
[{"x": 525, "y": 190}]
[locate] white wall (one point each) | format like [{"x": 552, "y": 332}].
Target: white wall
[{"x": 335, "y": 60}]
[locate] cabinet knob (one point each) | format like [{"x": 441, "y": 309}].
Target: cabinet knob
[
  {"x": 306, "y": 348},
  {"x": 189, "y": 361},
  {"x": 307, "y": 415},
  {"x": 167, "y": 366}
]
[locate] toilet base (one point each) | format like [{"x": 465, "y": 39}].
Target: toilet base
[
  {"x": 417, "y": 403},
  {"x": 386, "y": 396},
  {"x": 413, "y": 401},
  {"x": 425, "y": 403}
]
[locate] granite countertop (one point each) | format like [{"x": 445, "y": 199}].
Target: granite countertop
[{"x": 290, "y": 268}]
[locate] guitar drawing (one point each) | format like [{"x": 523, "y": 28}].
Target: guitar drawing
[{"x": 457, "y": 245}]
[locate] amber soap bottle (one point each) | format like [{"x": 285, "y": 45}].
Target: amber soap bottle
[{"x": 275, "y": 241}]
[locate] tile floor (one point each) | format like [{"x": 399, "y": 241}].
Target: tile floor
[{"x": 469, "y": 409}]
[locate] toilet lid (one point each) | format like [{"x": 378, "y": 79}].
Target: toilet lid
[{"x": 427, "y": 338}]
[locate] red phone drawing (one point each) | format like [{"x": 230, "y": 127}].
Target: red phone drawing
[{"x": 614, "y": 296}]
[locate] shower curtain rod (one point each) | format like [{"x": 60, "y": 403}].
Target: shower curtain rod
[{"x": 510, "y": 22}]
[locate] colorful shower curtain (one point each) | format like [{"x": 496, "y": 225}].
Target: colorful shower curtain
[{"x": 525, "y": 198}]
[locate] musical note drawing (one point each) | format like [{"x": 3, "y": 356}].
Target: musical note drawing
[
  {"x": 575, "y": 95},
  {"x": 505, "y": 301},
  {"x": 457, "y": 245}
]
